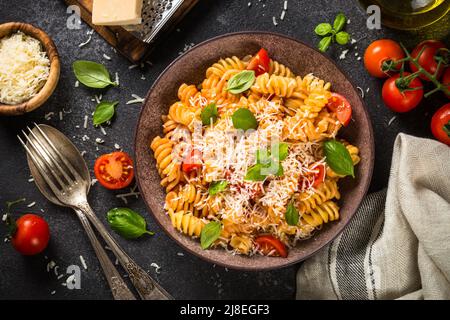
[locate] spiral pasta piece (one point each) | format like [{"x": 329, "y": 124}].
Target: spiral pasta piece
[
  {"x": 327, "y": 190},
  {"x": 277, "y": 85},
  {"x": 324, "y": 213},
  {"x": 223, "y": 65},
  {"x": 279, "y": 69},
  {"x": 241, "y": 243},
  {"x": 186, "y": 223},
  {"x": 182, "y": 114}
]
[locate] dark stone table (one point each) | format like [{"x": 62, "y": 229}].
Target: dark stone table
[{"x": 183, "y": 275}]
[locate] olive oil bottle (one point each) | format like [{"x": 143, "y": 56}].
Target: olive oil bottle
[{"x": 410, "y": 14}]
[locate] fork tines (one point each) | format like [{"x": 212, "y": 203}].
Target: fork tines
[{"x": 55, "y": 168}]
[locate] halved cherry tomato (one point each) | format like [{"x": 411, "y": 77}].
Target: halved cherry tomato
[
  {"x": 319, "y": 175},
  {"x": 426, "y": 59},
  {"x": 446, "y": 79},
  {"x": 268, "y": 243},
  {"x": 381, "y": 53},
  {"x": 192, "y": 162},
  {"x": 114, "y": 170},
  {"x": 260, "y": 63},
  {"x": 31, "y": 236},
  {"x": 402, "y": 101},
  {"x": 440, "y": 124},
  {"x": 340, "y": 105}
]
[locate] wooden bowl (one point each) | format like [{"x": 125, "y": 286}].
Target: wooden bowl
[
  {"x": 35, "y": 102},
  {"x": 190, "y": 68}
]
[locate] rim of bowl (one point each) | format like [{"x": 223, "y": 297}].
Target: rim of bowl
[{"x": 365, "y": 187}]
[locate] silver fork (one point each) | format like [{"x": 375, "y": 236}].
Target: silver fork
[{"x": 70, "y": 188}]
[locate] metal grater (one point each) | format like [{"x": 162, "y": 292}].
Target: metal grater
[{"x": 159, "y": 16}]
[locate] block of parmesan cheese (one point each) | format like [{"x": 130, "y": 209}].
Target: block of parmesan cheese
[{"x": 116, "y": 12}]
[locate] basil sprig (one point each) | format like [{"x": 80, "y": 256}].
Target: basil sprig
[
  {"x": 333, "y": 33},
  {"x": 104, "y": 112},
  {"x": 241, "y": 82},
  {"x": 292, "y": 216},
  {"x": 209, "y": 114},
  {"x": 244, "y": 119},
  {"x": 92, "y": 74},
  {"x": 264, "y": 161},
  {"x": 338, "y": 158},
  {"x": 217, "y": 186},
  {"x": 128, "y": 223},
  {"x": 210, "y": 233}
]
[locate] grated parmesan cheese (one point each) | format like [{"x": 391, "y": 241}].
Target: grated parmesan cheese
[{"x": 24, "y": 68}]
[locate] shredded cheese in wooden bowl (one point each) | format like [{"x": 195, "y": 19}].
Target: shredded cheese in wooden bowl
[{"x": 24, "y": 68}]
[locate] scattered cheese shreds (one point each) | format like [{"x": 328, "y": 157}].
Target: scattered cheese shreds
[
  {"x": 157, "y": 267},
  {"x": 24, "y": 68},
  {"x": 83, "y": 262}
]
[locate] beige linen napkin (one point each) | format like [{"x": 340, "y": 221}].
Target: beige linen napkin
[{"x": 398, "y": 244}]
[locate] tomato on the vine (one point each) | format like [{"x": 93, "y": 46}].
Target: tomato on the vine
[
  {"x": 446, "y": 79},
  {"x": 427, "y": 58},
  {"x": 440, "y": 124},
  {"x": 31, "y": 235},
  {"x": 381, "y": 55},
  {"x": 405, "y": 98},
  {"x": 260, "y": 63},
  {"x": 114, "y": 170}
]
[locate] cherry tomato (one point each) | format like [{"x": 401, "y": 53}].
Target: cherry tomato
[
  {"x": 440, "y": 124},
  {"x": 192, "y": 162},
  {"x": 380, "y": 53},
  {"x": 319, "y": 175},
  {"x": 402, "y": 101},
  {"x": 426, "y": 59},
  {"x": 340, "y": 105},
  {"x": 268, "y": 243},
  {"x": 31, "y": 236},
  {"x": 114, "y": 170},
  {"x": 260, "y": 63},
  {"x": 446, "y": 79}
]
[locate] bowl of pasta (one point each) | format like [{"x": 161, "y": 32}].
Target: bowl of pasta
[{"x": 253, "y": 150}]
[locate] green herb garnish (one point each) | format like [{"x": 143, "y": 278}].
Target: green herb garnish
[
  {"x": 209, "y": 114},
  {"x": 104, "y": 112},
  {"x": 244, "y": 119},
  {"x": 217, "y": 186},
  {"x": 210, "y": 233},
  {"x": 338, "y": 158},
  {"x": 128, "y": 223},
  {"x": 241, "y": 82},
  {"x": 333, "y": 33},
  {"x": 291, "y": 214},
  {"x": 264, "y": 161},
  {"x": 92, "y": 74}
]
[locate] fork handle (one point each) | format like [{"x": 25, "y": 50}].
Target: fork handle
[
  {"x": 118, "y": 287},
  {"x": 147, "y": 288}
]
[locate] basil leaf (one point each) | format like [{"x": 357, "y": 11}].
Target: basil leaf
[
  {"x": 217, "y": 186},
  {"x": 254, "y": 173},
  {"x": 342, "y": 37},
  {"x": 128, "y": 223},
  {"x": 209, "y": 113},
  {"x": 338, "y": 158},
  {"x": 280, "y": 171},
  {"x": 282, "y": 148},
  {"x": 262, "y": 156},
  {"x": 92, "y": 74},
  {"x": 339, "y": 22},
  {"x": 104, "y": 112},
  {"x": 323, "y": 29},
  {"x": 292, "y": 215},
  {"x": 210, "y": 233},
  {"x": 244, "y": 119},
  {"x": 241, "y": 82},
  {"x": 324, "y": 44}
]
